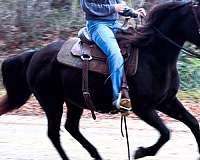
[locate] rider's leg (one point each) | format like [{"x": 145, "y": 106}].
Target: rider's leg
[
  {"x": 104, "y": 37},
  {"x": 125, "y": 99}
]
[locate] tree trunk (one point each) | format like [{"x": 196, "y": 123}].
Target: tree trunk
[{"x": 61, "y": 4}]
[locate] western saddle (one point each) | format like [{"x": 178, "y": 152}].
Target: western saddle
[{"x": 84, "y": 54}]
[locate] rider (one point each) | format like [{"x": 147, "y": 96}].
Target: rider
[{"x": 102, "y": 24}]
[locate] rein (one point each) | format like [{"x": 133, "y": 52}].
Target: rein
[{"x": 188, "y": 52}]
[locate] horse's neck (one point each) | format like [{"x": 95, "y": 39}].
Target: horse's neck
[{"x": 163, "y": 51}]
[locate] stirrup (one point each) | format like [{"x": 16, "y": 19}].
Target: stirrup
[
  {"x": 125, "y": 104},
  {"x": 124, "y": 111}
]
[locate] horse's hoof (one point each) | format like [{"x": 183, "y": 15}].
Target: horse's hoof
[{"x": 140, "y": 153}]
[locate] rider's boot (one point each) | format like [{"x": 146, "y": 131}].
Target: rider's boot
[{"x": 125, "y": 102}]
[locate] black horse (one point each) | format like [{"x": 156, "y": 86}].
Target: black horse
[{"x": 154, "y": 87}]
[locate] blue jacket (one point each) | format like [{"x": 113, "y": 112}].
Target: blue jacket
[{"x": 100, "y": 9}]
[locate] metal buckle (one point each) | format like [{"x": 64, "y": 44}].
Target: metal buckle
[
  {"x": 86, "y": 93},
  {"x": 86, "y": 57}
]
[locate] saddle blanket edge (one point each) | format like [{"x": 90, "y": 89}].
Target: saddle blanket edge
[{"x": 65, "y": 57}]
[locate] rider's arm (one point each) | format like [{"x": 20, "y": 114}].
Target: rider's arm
[
  {"x": 121, "y": 1},
  {"x": 97, "y": 9},
  {"x": 129, "y": 12}
]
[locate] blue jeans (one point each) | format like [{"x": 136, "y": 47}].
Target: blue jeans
[{"x": 102, "y": 33}]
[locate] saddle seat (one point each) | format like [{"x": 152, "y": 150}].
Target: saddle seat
[
  {"x": 85, "y": 36},
  {"x": 74, "y": 49}
]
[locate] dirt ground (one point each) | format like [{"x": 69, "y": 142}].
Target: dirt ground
[
  {"x": 23, "y": 136},
  {"x": 32, "y": 108}
]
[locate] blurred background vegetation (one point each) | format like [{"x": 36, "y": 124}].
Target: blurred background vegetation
[{"x": 35, "y": 23}]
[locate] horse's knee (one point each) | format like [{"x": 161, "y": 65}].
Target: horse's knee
[
  {"x": 191, "y": 122},
  {"x": 195, "y": 123},
  {"x": 165, "y": 135}
]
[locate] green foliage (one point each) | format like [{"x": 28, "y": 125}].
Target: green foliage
[
  {"x": 27, "y": 21},
  {"x": 189, "y": 69},
  {"x": 35, "y": 23}
]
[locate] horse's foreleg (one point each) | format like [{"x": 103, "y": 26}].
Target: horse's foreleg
[
  {"x": 151, "y": 117},
  {"x": 177, "y": 111},
  {"x": 72, "y": 126}
]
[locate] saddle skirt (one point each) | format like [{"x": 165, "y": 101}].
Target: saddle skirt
[{"x": 72, "y": 50}]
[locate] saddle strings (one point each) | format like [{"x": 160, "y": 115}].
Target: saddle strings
[{"x": 123, "y": 118}]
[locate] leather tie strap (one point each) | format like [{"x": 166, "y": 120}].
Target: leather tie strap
[{"x": 88, "y": 101}]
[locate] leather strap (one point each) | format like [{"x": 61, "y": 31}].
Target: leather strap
[
  {"x": 88, "y": 100},
  {"x": 124, "y": 81},
  {"x": 131, "y": 62}
]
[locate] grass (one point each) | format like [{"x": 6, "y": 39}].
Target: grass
[{"x": 191, "y": 95}]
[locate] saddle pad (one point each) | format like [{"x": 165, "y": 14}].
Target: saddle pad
[{"x": 66, "y": 57}]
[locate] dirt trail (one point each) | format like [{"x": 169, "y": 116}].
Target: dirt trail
[{"x": 32, "y": 108}]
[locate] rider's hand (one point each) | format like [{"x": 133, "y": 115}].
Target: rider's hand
[
  {"x": 119, "y": 7},
  {"x": 141, "y": 12}
]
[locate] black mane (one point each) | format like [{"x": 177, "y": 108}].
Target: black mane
[
  {"x": 159, "y": 12},
  {"x": 145, "y": 34}
]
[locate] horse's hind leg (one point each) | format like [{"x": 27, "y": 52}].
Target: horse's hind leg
[
  {"x": 151, "y": 117},
  {"x": 176, "y": 110},
  {"x": 54, "y": 110},
  {"x": 72, "y": 126}
]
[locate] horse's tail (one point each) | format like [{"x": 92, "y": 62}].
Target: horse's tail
[{"x": 15, "y": 82}]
